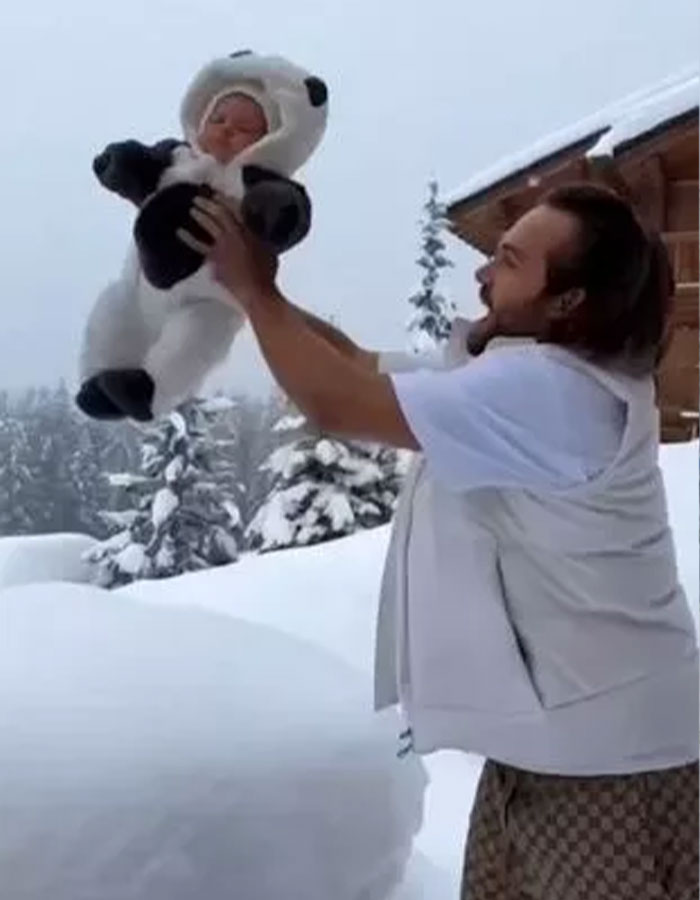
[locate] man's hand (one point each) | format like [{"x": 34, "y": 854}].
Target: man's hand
[{"x": 240, "y": 262}]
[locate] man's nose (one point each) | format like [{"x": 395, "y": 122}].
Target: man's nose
[{"x": 482, "y": 273}]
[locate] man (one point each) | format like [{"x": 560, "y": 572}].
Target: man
[{"x": 530, "y": 610}]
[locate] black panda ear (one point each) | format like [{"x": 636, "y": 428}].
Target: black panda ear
[
  {"x": 240, "y": 53},
  {"x": 317, "y": 91}
]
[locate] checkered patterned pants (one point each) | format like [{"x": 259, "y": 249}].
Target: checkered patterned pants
[{"x": 551, "y": 837}]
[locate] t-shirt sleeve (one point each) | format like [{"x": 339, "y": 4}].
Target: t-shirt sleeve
[{"x": 512, "y": 419}]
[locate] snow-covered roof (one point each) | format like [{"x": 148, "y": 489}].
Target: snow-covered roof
[{"x": 610, "y": 129}]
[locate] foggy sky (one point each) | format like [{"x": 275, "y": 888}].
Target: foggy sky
[{"x": 418, "y": 89}]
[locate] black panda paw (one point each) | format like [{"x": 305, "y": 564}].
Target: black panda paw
[
  {"x": 165, "y": 260},
  {"x": 94, "y": 402},
  {"x": 277, "y": 210},
  {"x": 131, "y": 390},
  {"x": 118, "y": 394},
  {"x": 132, "y": 169}
]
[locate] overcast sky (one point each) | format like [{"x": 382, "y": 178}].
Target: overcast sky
[{"x": 418, "y": 89}]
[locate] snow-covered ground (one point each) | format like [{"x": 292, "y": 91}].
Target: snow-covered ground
[
  {"x": 45, "y": 557},
  {"x": 175, "y": 754},
  {"x": 307, "y": 612},
  {"x": 327, "y": 595}
]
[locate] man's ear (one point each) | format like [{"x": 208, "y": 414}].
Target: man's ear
[{"x": 567, "y": 303}]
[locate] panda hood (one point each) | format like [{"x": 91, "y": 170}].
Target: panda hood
[{"x": 295, "y": 104}]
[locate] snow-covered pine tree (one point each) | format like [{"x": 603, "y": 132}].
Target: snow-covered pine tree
[
  {"x": 376, "y": 474},
  {"x": 95, "y": 445},
  {"x": 16, "y": 508},
  {"x": 431, "y": 320},
  {"x": 308, "y": 502},
  {"x": 323, "y": 488},
  {"x": 182, "y": 517}
]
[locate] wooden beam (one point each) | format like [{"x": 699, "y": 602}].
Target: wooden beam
[
  {"x": 685, "y": 306},
  {"x": 651, "y": 198},
  {"x": 680, "y": 237},
  {"x": 682, "y": 206},
  {"x": 660, "y": 142},
  {"x": 605, "y": 171}
]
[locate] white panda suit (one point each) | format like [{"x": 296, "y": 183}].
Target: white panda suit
[{"x": 155, "y": 334}]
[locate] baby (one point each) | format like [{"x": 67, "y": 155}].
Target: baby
[
  {"x": 235, "y": 123},
  {"x": 155, "y": 334}
]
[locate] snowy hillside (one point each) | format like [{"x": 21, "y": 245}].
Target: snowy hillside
[
  {"x": 292, "y": 635},
  {"x": 44, "y": 557},
  {"x": 175, "y": 754}
]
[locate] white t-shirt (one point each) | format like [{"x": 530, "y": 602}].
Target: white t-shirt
[{"x": 515, "y": 417}]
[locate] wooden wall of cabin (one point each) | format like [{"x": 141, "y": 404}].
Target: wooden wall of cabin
[{"x": 663, "y": 179}]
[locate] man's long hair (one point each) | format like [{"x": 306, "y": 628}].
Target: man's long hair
[{"x": 625, "y": 274}]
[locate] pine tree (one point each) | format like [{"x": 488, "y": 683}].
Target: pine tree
[
  {"x": 182, "y": 517},
  {"x": 16, "y": 514},
  {"x": 375, "y": 479},
  {"x": 431, "y": 320},
  {"x": 323, "y": 488}
]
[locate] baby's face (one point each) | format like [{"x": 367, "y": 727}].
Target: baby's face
[{"x": 235, "y": 123}]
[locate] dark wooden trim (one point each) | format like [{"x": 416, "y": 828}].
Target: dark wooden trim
[{"x": 663, "y": 133}]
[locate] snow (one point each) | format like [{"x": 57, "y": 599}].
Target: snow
[
  {"x": 272, "y": 522},
  {"x": 46, "y": 557},
  {"x": 216, "y": 405},
  {"x": 308, "y": 611},
  {"x": 233, "y": 513},
  {"x": 119, "y": 519},
  {"x": 174, "y": 754},
  {"x": 290, "y": 423},
  {"x": 178, "y": 423},
  {"x": 642, "y": 117},
  {"x": 174, "y": 470},
  {"x": 327, "y": 595},
  {"x": 327, "y": 452},
  {"x": 616, "y": 124},
  {"x": 132, "y": 558},
  {"x": 124, "y": 479},
  {"x": 165, "y": 503}
]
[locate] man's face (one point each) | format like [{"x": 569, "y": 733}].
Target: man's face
[
  {"x": 513, "y": 283},
  {"x": 236, "y": 123}
]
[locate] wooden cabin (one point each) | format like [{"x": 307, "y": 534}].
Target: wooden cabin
[{"x": 645, "y": 147}]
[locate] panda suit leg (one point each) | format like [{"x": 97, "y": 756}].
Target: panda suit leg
[
  {"x": 115, "y": 340},
  {"x": 117, "y": 334},
  {"x": 196, "y": 337}
]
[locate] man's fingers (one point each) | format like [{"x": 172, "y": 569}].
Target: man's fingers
[
  {"x": 218, "y": 211},
  {"x": 233, "y": 207},
  {"x": 192, "y": 242},
  {"x": 208, "y": 223}
]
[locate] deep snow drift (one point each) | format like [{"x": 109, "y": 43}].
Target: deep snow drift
[
  {"x": 44, "y": 557},
  {"x": 173, "y": 754}
]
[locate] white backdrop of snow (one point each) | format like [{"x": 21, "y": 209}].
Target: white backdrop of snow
[
  {"x": 175, "y": 754},
  {"x": 44, "y": 557},
  {"x": 289, "y": 423},
  {"x": 326, "y": 596}
]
